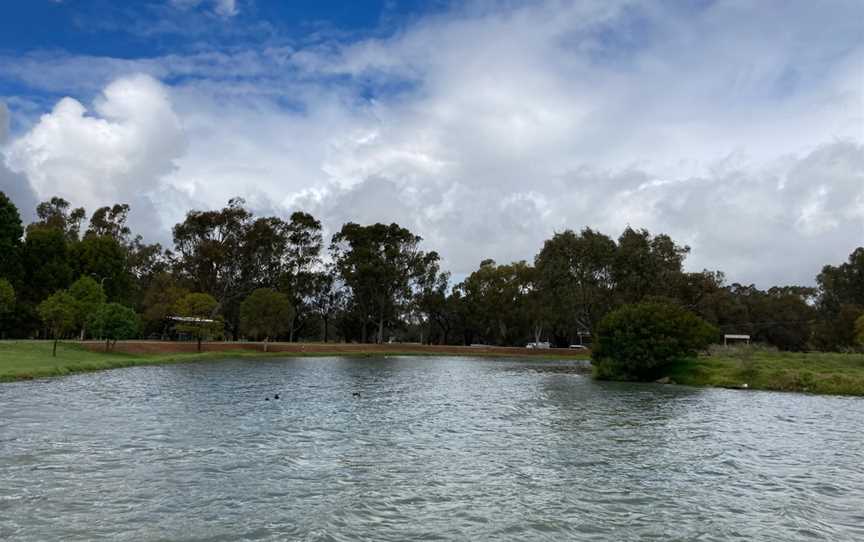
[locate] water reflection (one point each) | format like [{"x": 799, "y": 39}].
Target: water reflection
[{"x": 434, "y": 448}]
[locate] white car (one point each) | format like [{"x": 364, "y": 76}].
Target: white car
[
  {"x": 578, "y": 347},
  {"x": 538, "y": 345}
]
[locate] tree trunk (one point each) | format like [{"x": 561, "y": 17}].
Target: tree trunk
[
  {"x": 325, "y": 328},
  {"x": 363, "y": 333},
  {"x": 199, "y": 344},
  {"x": 266, "y": 343},
  {"x": 54, "y": 353},
  {"x": 107, "y": 342},
  {"x": 381, "y": 329}
]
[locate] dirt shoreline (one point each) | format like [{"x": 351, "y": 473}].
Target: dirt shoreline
[{"x": 170, "y": 347}]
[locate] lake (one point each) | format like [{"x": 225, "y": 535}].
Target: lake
[{"x": 432, "y": 449}]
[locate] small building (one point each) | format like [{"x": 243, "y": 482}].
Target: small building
[{"x": 733, "y": 337}]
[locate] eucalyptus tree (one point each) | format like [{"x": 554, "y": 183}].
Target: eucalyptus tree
[
  {"x": 576, "y": 275},
  {"x": 110, "y": 222},
  {"x": 327, "y": 297},
  {"x": 379, "y": 265},
  {"x": 57, "y": 214},
  {"x": 646, "y": 265},
  {"x": 840, "y": 302},
  {"x": 496, "y": 300},
  {"x": 11, "y": 234}
]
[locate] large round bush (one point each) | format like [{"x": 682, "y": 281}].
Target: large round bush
[{"x": 636, "y": 341}]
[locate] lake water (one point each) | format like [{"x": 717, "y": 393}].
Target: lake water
[{"x": 433, "y": 449}]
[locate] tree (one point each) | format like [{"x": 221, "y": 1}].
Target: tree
[
  {"x": 46, "y": 257},
  {"x": 7, "y": 298},
  {"x": 303, "y": 257},
  {"x": 110, "y": 222},
  {"x": 58, "y": 314},
  {"x": 646, "y": 265},
  {"x": 379, "y": 264},
  {"x": 327, "y": 297},
  {"x": 56, "y": 214},
  {"x": 210, "y": 246},
  {"x": 114, "y": 322},
  {"x": 160, "y": 300},
  {"x": 89, "y": 297},
  {"x": 859, "y": 330},
  {"x": 199, "y": 313},
  {"x": 11, "y": 233},
  {"x": 839, "y": 302},
  {"x": 266, "y": 313},
  {"x": 495, "y": 300},
  {"x": 105, "y": 258},
  {"x": 576, "y": 278},
  {"x": 635, "y": 342}
]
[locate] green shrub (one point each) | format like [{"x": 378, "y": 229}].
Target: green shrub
[{"x": 635, "y": 342}]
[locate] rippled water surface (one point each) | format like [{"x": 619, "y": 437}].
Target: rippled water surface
[{"x": 433, "y": 449}]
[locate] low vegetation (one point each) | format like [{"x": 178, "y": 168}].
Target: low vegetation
[{"x": 769, "y": 369}]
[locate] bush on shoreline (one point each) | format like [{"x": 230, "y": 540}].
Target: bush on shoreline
[{"x": 637, "y": 341}]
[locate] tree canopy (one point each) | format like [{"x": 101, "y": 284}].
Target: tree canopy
[{"x": 374, "y": 282}]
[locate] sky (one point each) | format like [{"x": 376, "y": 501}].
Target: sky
[{"x": 737, "y": 127}]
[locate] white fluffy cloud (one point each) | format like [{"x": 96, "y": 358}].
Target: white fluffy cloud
[
  {"x": 117, "y": 154},
  {"x": 485, "y": 131}
]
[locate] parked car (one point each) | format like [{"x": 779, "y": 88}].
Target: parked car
[{"x": 538, "y": 345}]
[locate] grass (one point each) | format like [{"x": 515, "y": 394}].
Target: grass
[
  {"x": 25, "y": 360},
  {"x": 823, "y": 373}
]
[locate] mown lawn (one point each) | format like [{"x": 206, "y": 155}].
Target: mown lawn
[
  {"x": 21, "y": 360},
  {"x": 826, "y": 373}
]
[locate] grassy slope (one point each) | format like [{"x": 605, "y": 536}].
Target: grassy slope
[
  {"x": 32, "y": 359},
  {"x": 838, "y": 374},
  {"x": 22, "y": 360}
]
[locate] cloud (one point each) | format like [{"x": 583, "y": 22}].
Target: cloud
[
  {"x": 223, "y": 8},
  {"x": 118, "y": 153},
  {"x": 487, "y": 128}
]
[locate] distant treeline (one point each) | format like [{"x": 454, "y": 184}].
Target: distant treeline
[{"x": 373, "y": 283}]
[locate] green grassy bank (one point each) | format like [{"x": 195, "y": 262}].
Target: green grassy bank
[
  {"x": 824, "y": 373},
  {"x": 25, "y": 360},
  {"x": 32, "y": 359}
]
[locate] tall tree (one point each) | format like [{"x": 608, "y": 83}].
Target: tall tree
[
  {"x": 379, "y": 264},
  {"x": 45, "y": 255},
  {"x": 576, "y": 277},
  {"x": 495, "y": 299},
  {"x": 111, "y": 222},
  {"x": 57, "y": 214},
  {"x": 327, "y": 297},
  {"x": 7, "y": 303},
  {"x": 303, "y": 259},
  {"x": 210, "y": 248},
  {"x": 646, "y": 265},
  {"x": 11, "y": 233},
  {"x": 840, "y": 302}
]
